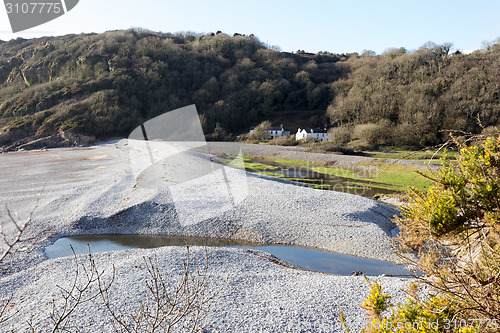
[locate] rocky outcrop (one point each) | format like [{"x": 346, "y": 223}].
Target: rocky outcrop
[{"x": 63, "y": 139}]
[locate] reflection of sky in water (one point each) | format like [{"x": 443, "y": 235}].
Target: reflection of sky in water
[
  {"x": 330, "y": 262},
  {"x": 314, "y": 260},
  {"x": 294, "y": 173}
]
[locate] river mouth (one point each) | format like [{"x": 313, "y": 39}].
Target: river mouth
[{"x": 306, "y": 258}]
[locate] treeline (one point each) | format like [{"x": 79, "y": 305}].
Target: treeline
[
  {"x": 107, "y": 84},
  {"x": 412, "y": 99}
]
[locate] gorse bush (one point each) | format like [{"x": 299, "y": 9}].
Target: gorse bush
[
  {"x": 377, "y": 302},
  {"x": 461, "y": 210},
  {"x": 454, "y": 229},
  {"x": 435, "y": 314},
  {"x": 341, "y": 135}
]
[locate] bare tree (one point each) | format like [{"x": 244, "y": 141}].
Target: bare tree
[
  {"x": 15, "y": 243},
  {"x": 11, "y": 244},
  {"x": 169, "y": 304},
  {"x": 83, "y": 289}
]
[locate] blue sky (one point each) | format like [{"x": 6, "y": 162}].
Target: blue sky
[{"x": 334, "y": 26}]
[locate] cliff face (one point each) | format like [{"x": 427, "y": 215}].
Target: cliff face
[{"x": 19, "y": 140}]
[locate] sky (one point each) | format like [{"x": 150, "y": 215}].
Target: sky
[{"x": 334, "y": 26}]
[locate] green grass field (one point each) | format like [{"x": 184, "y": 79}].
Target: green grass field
[
  {"x": 380, "y": 174},
  {"x": 388, "y": 176},
  {"x": 424, "y": 156},
  {"x": 398, "y": 177}
]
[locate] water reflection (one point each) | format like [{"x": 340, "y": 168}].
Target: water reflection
[
  {"x": 311, "y": 259},
  {"x": 306, "y": 175}
]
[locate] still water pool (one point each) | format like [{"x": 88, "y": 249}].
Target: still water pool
[{"x": 307, "y": 258}]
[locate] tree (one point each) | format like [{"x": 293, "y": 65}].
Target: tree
[{"x": 261, "y": 131}]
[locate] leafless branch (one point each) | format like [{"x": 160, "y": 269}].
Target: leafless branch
[
  {"x": 18, "y": 243},
  {"x": 169, "y": 304},
  {"x": 83, "y": 289}
]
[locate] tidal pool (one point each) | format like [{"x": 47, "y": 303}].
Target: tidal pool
[{"x": 307, "y": 258}]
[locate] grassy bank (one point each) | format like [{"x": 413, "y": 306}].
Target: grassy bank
[
  {"x": 388, "y": 176},
  {"x": 432, "y": 156},
  {"x": 375, "y": 174},
  {"x": 385, "y": 175}
]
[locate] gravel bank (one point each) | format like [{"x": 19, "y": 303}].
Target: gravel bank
[
  {"x": 92, "y": 191},
  {"x": 259, "y": 296}
]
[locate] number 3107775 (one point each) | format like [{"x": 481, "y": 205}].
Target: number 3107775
[{"x": 34, "y": 8}]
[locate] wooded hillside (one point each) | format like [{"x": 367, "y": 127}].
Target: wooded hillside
[
  {"x": 409, "y": 99},
  {"x": 107, "y": 84}
]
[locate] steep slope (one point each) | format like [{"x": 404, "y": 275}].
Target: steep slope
[{"x": 107, "y": 84}]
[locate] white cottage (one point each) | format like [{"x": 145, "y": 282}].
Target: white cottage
[{"x": 315, "y": 134}]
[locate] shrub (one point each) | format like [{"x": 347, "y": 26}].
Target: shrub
[
  {"x": 453, "y": 228},
  {"x": 359, "y": 144},
  {"x": 434, "y": 314},
  {"x": 341, "y": 135},
  {"x": 284, "y": 141},
  {"x": 374, "y": 134},
  {"x": 366, "y": 132},
  {"x": 261, "y": 131},
  {"x": 491, "y": 130},
  {"x": 406, "y": 134},
  {"x": 330, "y": 147}
]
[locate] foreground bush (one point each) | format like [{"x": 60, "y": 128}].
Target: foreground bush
[
  {"x": 454, "y": 228},
  {"x": 434, "y": 314}
]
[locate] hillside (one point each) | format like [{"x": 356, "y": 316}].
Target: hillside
[
  {"x": 105, "y": 85},
  {"x": 413, "y": 98}
]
